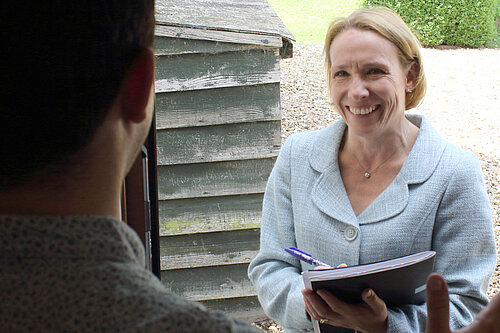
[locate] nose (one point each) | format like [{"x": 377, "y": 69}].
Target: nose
[{"x": 358, "y": 88}]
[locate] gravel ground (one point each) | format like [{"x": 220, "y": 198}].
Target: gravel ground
[{"x": 462, "y": 102}]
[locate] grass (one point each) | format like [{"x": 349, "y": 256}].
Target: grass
[{"x": 309, "y": 19}]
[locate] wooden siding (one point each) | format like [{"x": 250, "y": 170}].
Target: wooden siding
[
  {"x": 193, "y": 215},
  {"x": 222, "y": 288},
  {"x": 218, "y": 106},
  {"x": 213, "y": 179},
  {"x": 252, "y": 17},
  {"x": 219, "y": 36},
  {"x": 218, "y": 135},
  {"x": 167, "y": 46},
  {"x": 209, "y": 282},
  {"x": 209, "y": 249},
  {"x": 218, "y": 143},
  {"x": 208, "y": 71},
  {"x": 243, "y": 308}
]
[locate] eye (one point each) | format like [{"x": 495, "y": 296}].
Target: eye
[
  {"x": 375, "y": 71},
  {"x": 340, "y": 74}
]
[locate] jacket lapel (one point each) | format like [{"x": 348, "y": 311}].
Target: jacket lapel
[
  {"x": 329, "y": 193},
  {"x": 330, "y": 197}
]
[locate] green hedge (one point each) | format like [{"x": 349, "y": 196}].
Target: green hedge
[{"x": 450, "y": 22}]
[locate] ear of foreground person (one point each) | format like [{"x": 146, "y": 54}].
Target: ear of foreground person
[{"x": 488, "y": 321}]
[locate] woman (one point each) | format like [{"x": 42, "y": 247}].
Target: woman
[{"x": 375, "y": 185}]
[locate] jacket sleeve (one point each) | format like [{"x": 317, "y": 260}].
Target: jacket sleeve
[
  {"x": 274, "y": 273},
  {"x": 463, "y": 238}
]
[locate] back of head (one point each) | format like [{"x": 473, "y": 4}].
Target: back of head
[
  {"x": 390, "y": 26},
  {"x": 65, "y": 61}
]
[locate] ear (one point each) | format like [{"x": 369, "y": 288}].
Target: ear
[
  {"x": 412, "y": 75},
  {"x": 136, "y": 87}
]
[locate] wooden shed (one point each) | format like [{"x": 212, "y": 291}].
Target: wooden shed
[{"x": 218, "y": 134}]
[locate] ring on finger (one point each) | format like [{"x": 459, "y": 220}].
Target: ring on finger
[{"x": 323, "y": 320}]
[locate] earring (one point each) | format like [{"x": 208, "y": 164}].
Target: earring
[{"x": 408, "y": 90}]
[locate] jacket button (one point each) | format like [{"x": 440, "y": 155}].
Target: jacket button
[{"x": 350, "y": 233}]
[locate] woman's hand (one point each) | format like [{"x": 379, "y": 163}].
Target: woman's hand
[
  {"x": 369, "y": 317},
  {"x": 321, "y": 268}
]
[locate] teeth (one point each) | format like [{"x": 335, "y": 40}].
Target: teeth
[{"x": 362, "y": 110}]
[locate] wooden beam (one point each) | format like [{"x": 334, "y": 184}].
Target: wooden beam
[
  {"x": 219, "y": 143},
  {"x": 214, "y": 179},
  {"x": 247, "y": 309},
  {"x": 209, "y": 71},
  {"x": 208, "y": 214},
  {"x": 218, "y": 106},
  {"x": 219, "y": 36},
  {"x": 225, "y": 281},
  {"x": 209, "y": 248}
]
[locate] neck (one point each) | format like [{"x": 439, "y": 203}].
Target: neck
[
  {"x": 90, "y": 190},
  {"x": 92, "y": 185},
  {"x": 372, "y": 150}
]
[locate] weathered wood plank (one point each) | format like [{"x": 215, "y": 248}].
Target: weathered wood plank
[
  {"x": 255, "y": 16},
  {"x": 176, "y": 46},
  {"x": 184, "y": 216},
  {"x": 213, "y": 179},
  {"x": 207, "y": 283},
  {"x": 247, "y": 309},
  {"x": 205, "y": 71},
  {"x": 213, "y": 35},
  {"x": 208, "y": 249},
  {"x": 218, "y": 143},
  {"x": 218, "y": 106}
]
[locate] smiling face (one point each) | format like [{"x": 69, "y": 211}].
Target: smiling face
[{"x": 368, "y": 83}]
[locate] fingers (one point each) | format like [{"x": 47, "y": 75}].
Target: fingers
[
  {"x": 320, "y": 268},
  {"x": 333, "y": 302},
  {"x": 308, "y": 308},
  {"x": 311, "y": 300},
  {"x": 316, "y": 307},
  {"x": 370, "y": 316},
  {"x": 438, "y": 312},
  {"x": 438, "y": 305},
  {"x": 488, "y": 320},
  {"x": 375, "y": 303}
]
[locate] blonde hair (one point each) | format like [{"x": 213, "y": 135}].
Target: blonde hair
[{"x": 390, "y": 26}]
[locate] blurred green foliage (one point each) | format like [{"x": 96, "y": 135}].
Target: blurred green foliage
[{"x": 450, "y": 22}]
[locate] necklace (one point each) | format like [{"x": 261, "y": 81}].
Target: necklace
[{"x": 369, "y": 173}]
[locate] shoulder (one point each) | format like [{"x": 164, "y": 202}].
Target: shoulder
[
  {"x": 433, "y": 155},
  {"x": 463, "y": 165},
  {"x": 309, "y": 138},
  {"x": 150, "y": 307},
  {"x": 463, "y": 158},
  {"x": 168, "y": 312},
  {"x": 315, "y": 144},
  {"x": 450, "y": 152}
]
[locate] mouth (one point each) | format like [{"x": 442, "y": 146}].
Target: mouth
[{"x": 364, "y": 110}]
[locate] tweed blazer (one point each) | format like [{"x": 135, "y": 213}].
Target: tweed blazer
[{"x": 436, "y": 202}]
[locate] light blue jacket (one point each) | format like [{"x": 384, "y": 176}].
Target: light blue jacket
[{"x": 436, "y": 202}]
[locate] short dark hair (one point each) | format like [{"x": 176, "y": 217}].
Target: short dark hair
[{"x": 65, "y": 62}]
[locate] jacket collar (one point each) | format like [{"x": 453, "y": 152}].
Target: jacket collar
[{"x": 329, "y": 193}]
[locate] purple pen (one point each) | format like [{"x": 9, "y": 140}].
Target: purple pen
[{"x": 305, "y": 256}]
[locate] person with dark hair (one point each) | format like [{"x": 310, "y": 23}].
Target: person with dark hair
[
  {"x": 76, "y": 108},
  {"x": 375, "y": 185}
]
